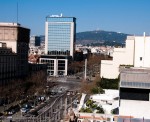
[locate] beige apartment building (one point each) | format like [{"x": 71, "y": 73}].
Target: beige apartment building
[{"x": 16, "y": 39}]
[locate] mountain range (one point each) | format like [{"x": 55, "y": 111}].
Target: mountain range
[{"x": 100, "y": 37}]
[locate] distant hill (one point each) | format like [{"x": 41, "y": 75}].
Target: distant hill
[{"x": 100, "y": 37}]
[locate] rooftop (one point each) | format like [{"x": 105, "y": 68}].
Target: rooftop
[
  {"x": 135, "y": 77},
  {"x": 9, "y": 24}
]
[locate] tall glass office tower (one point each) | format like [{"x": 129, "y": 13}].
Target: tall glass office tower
[
  {"x": 60, "y": 35},
  {"x": 59, "y": 43}
]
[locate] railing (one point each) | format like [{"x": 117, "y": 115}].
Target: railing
[{"x": 52, "y": 112}]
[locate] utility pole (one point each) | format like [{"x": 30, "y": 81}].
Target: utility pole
[
  {"x": 65, "y": 109},
  {"x": 85, "y": 69}
]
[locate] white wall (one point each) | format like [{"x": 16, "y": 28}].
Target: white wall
[
  {"x": 135, "y": 108},
  {"x": 66, "y": 67},
  {"x": 147, "y": 52},
  {"x": 46, "y": 37},
  {"x": 11, "y": 44},
  {"x": 56, "y": 65},
  {"x": 110, "y": 69},
  {"x": 139, "y": 52},
  {"x": 142, "y": 49},
  {"x": 72, "y": 39}
]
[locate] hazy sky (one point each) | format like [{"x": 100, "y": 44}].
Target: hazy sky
[{"x": 127, "y": 16}]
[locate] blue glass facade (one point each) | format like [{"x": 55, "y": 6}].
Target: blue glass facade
[
  {"x": 60, "y": 33},
  {"x": 60, "y": 19}
]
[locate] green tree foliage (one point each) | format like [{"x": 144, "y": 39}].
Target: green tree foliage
[
  {"x": 17, "y": 89},
  {"x": 97, "y": 90},
  {"x": 93, "y": 106},
  {"x": 108, "y": 83},
  {"x": 86, "y": 110},
  {"x": 100, "y": 37},
  {"x": 100, "y": 109},
  {"x": 89, "y": 103}
]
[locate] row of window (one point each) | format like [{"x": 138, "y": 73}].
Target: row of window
[
  {"x": 63, "y": 25},
  {"x": 52, "y": 61},
  {"x": 59, "y": 19},
  {"x": 60, "y": 43},
  {"x": 51, "y": 73},
  {"x": 135, "y": 84},
  {"x": 51, "y": 68},
  {"x": 58, "y": 36},
  {"x": 5, "y": 67},
  {"x": 47, "y": 61},
  {"x": 59, "y": 28},
  {"x": 6, "y": 59},
  {"x": 58, "y": 52},
  {"x": 55, "y": 48},
  {"x": 7, "y": 75}
]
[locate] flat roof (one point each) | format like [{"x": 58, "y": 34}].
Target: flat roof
[{"x": 9, "y": 24}]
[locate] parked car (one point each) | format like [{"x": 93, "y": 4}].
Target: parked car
[{"x": 24, "y": 110}]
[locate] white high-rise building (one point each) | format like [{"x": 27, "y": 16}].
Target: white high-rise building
[
  {"x": 59, "y": 43},
  {"x": 60, "y": 35},
  {"x": 136, "y": 53}
]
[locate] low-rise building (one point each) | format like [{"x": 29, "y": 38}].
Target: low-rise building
[
  {"x": 56, "y": 66},
  {"x": 136, "y": 53},
  {"x": 135, "y": 92}
]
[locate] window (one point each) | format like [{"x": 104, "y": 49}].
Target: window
[{"x": 140, "y": 58}]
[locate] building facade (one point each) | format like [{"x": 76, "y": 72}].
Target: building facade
[
  {"x": 59, "y": 44},
  {"x": 56, "y": 66},
  {"x": 135, "y": 92},
  {"x": 60, "y": 35},
  {"x": 8, "y": 64},
  {"x": 136, "y": 53},
  {"x": 16, "y": 38},
  {"x": 35, "y": 41}
]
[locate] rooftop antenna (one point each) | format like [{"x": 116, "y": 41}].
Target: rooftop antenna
[
  {"x": 144, "y": 34},
  {"x": 17, "y": 12},
  {"x": 61, "y": 15}
]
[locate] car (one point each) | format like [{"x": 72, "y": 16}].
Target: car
[
  {"x": 24, "y": 110},
  {"x": 11, "y": 112},
  {"x": 68, "y": 93}
]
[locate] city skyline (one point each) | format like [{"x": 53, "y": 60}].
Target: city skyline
[{"x": 124, "y": 16}]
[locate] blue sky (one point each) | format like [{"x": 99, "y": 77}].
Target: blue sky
[{"x": 127, "y": 16}]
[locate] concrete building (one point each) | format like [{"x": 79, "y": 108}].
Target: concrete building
[
  {"x": 135, "y": 53},
  {"x": 135, "y": 92},
  {"x": 56, "y": 66},
  {"x": 17, "y": 38},
  {"x": 60, "y": 35},
  {"x": 37, "y": 45},
  {"x": 59, "y": 43},
  {"x": 8, "y": 64},
  {"x": 35, "y": 41}
]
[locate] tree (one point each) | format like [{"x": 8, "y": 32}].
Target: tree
[
  {"x": 17, "y": 89},
  {"x": 91, "y": 87},
  {"x": 100, "y": 109},
  {"x": 89, "y": 103},
  {"x": 87, "y": 110}
]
